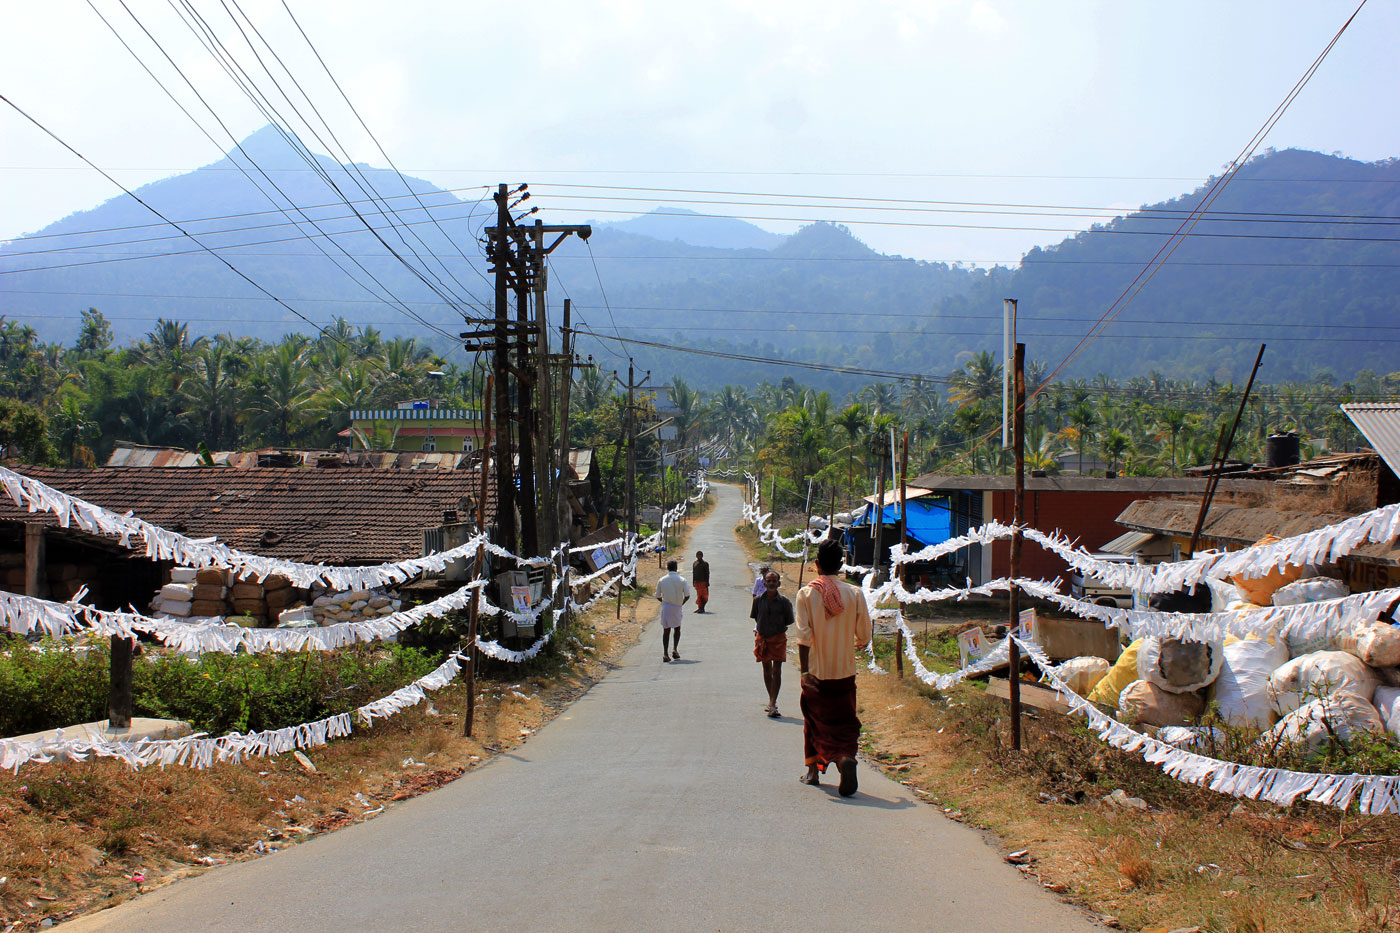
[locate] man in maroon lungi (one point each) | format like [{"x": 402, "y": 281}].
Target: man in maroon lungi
[
  {"x": 771, "y": 614},
  {"x": 832, "y": 623}
]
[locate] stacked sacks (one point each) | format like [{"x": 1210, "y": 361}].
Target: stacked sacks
[
  {"x": 1171, "y": 674},
  {"x": 210, "y": 588},
  {"x": 176, "y": 598},
  {"x": 353, "y": 606}
]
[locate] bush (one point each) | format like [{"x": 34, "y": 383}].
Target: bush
[{"x": 215, "y": 693}]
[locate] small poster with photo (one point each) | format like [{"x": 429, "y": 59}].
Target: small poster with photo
[
  {"x": 520, "y": 598},
  {"x": 971, "y": 647},
  {"x": 1025, "y": 629}
]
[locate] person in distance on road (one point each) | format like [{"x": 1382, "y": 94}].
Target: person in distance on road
[
  {"x": 832, "y": 622},
  {"x": 674, "y": 593},
  {"x": 700, "y": 579},
  {"x": 772, "y": 614}
]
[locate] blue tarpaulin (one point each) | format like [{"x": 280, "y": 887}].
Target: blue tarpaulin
[{"x": 929, "y": 520}]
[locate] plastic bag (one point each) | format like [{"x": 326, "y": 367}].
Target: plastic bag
[
  {"x": 1083, "y": 674},
  {"x": 1387, "y": 703},
  {"x": 1144, "y": 702},
  {"x": 1309, "y": 590},
  {"x": 1259, "y": 589},
  {"x": 1242, "y": 689},
  {"x": 1179, "y": 666},
  {"x": 1312, "y": 724},
  {"x": 1320, "y": 674},
  {"x": 1123, "y": 672},
  {"x": 1375, "y": 643}
]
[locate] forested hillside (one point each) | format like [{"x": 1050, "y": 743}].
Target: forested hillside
[{"x": 1300, "y": 250}]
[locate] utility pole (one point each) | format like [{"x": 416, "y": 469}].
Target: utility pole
[
  {"x": 480, "y": 566},
  {"x": 518, "y": 256},
  {"x": 1018, "y": 513},
  {"x": 903, "y": 539},
  {"x": 544, "y": 467}
]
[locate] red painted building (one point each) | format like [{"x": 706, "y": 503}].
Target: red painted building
[{"x": 1082, "y": 508}]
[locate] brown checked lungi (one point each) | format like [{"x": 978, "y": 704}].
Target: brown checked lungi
[
  {"x": 830, "y": 728},
  {"x": 770, "y": 647}
]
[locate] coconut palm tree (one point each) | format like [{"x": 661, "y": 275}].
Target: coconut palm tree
[{"x": 978, "y": 381}]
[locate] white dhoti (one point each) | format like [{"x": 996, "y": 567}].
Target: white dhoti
[{"x": 671, "y": 615}]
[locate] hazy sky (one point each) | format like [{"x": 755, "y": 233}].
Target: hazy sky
[{"x": 1102, "y": 104}]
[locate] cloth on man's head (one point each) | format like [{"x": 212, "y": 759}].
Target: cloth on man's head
[{"x": 831, "y": 595}]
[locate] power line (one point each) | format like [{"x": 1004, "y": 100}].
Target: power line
[
  {"x": 1187, "y": 228},
  {"x": 131, "y": 194}
]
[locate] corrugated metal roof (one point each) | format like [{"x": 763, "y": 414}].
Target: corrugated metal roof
[
  {"x": 1161, "y": 485},
  {"x": 1129, "y": 543},
  {"x": 892, "y": 495},
  {"x": 1379, "y": 423}
]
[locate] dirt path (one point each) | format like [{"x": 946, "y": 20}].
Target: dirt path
[{"x": 662, "y": 799}]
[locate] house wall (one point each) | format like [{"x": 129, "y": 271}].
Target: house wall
[{"x": 1086, "y": 518}]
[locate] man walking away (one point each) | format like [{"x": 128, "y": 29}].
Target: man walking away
[
  {"x": 772, "y": 614},
  {"x": 832, "y": 622},
  {"x": 700, "y": 579},
  {"x": 674, "y": 593}
]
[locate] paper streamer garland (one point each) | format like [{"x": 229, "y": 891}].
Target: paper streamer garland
[{"x": 200, "y": 751}]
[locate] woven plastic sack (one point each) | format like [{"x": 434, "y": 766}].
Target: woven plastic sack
[
  {"x": 1375, "y": 643},
  {"x": 1242, "y": 689},
  {"x": 1312, "y": 724},
  {"x": 1083, "y": 674},
  {"x": 1222, "y": 594},
  {"x": 1123, "y": 672},
  {"x": 1309, "y": 590},
  {"x": 1148, "y": 704},
  {"x": 177, "y": 593},
  {"x": 1179, "y": 666},
  {"x": 1320, "y": 674}
]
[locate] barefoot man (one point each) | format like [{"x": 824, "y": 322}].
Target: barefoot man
[
  {"x": 771, "y": 614},
  {"x": 700, "y": 579},
  {"x": 674, "y": 593},
  {"x": 832, "y": 622}
]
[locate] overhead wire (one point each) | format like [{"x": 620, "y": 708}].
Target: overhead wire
[
  {"x": 208, "y": 37},
  {"x": 290, "y": 201}
]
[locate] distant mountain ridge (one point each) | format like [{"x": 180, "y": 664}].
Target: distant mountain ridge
[{"x": 1284, "y": 249}]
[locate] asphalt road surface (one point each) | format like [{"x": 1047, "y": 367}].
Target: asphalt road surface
[{"x": 663, "y": 799}]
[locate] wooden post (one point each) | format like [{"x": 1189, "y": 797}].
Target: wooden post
[
  {"x": 1019, "y": 440},
  {"x": 480, "y": 566},
  {"x": 903, "y": 539},
  {"x": 36, "y": 574}
]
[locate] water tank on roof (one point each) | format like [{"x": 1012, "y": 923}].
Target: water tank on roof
[{"x": 1281, "y": 450}]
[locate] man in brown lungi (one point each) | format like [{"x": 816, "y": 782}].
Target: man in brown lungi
[
  {"x": 772, "y": 614},
  {"x": 832, "y": 622},
  {"x": 700, "y": 579}
]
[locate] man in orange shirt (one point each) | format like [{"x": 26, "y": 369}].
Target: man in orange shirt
[{"x": 832, "y": 623}]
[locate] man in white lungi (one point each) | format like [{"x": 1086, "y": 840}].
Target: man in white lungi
[{"x": 674, "y": 593}]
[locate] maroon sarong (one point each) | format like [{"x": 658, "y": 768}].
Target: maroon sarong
[
  {"x": 770, "y": 647},
  {"x": 830, "y": 728},
  {"x": 702, "y": 595}
]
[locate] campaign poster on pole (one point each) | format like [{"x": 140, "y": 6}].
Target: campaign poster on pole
[
  {"x": 520, "y": 598},
  {"x": 971, "y": 647}
]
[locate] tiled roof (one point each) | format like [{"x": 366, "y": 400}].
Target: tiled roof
[
  {"x": 336, "y": 516},
  {"x": 128, "y": 456}
]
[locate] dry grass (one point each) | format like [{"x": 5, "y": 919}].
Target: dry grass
[
  {"x": 1193, "y": 859},
  {"x": 75, "y": 836}
]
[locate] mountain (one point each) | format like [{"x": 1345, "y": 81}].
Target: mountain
[
  {"x": 677, "y": 223},
  {"x": 1300, "y": 241}
]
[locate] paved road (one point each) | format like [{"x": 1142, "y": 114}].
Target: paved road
[{"x": 663, "y": 799}]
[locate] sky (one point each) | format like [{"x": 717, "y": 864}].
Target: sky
[{"x": 887, "y": 105}]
